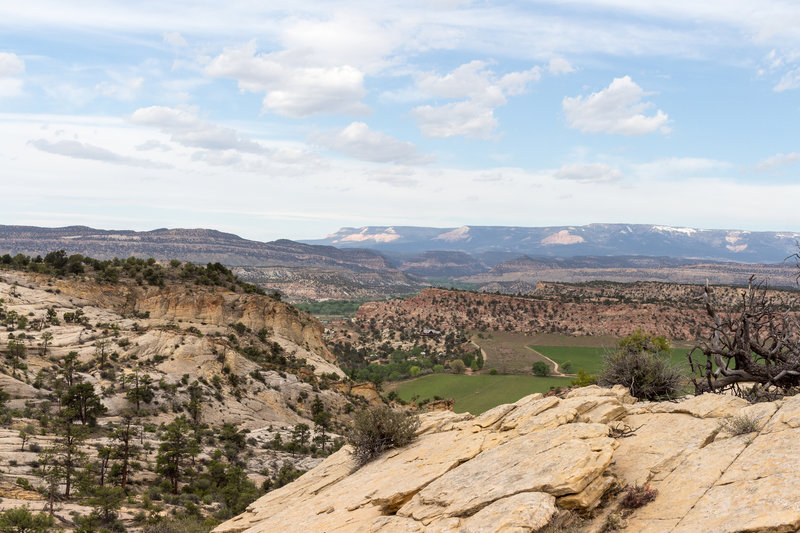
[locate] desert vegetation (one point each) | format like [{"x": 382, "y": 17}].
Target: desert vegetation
[
  {"x": 116, "y": 414},
  {"x": 641, "y": 362},
  {"x": 378, "y": 429},
  {"x": 142, "y": 271}
]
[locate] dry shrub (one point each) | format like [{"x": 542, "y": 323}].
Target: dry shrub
[
  {"x": 378, "y": 429},
  {"x": 648, "y": 376},
  {"x": 741, "y": 425},
  {"x": 637, "y": 495}
]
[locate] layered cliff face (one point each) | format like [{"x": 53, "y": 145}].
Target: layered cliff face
[
  {"x": 175, "y": 334},
  {"x": 213, "y": 307},
  {"x": 222, "y": 365},
  {"x": 524, "y": 466}
]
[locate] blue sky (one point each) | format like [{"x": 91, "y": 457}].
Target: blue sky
[{"x": 291, "y": 120}]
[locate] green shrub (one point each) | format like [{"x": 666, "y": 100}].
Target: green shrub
[
  {"x": 584, "y": 379},
  {"x": 458, "y": 366},
  {"x": 641, "y": 363},
  {"x": 21, "y": 519},
  {"x": 378, "y": 429},
  {"x": 540, "y": 368}
]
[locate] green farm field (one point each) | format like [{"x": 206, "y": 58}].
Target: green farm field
[
  {"x": 515, "y": 353},
  {"x": 475, "y": 393},
  {"x": 512, "y": 355},
  {"x": 590, "y": 358},
  {"x": 508, "y": 353}
]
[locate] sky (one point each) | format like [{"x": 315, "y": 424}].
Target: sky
[{"x": 293, "y": 119}]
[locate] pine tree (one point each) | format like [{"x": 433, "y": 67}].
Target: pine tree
[
  {"x": 176, "y": 449},
  {"x": 84, "y": 403},
  {"x": 123, "y": 448}
]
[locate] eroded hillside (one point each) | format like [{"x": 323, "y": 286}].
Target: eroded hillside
[
  {"x": 447, "y": 310},
  {"x": 593, "y": 309},
  {"x": 239, "y": 371}
]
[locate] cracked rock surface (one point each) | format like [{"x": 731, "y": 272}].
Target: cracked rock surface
[{"x": 514, "y": 467}]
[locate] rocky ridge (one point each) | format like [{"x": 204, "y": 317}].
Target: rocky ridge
[
  {"x": 170, "y": 332},
  {"x": 256, "y": 364},
  {"x": 593, "y": 309},
  {"x": 297, "y": 270},
  {"x": 522, "y": 466},
  {"x": 448, "y": 310}
]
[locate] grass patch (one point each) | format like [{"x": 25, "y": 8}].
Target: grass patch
[
  {"x": 508, "y": 352},
  {"x": 590, "y": 359},
  {"x": 476, "y": 393}
]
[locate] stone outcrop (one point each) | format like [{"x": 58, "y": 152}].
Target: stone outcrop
[
  {"x": 518, "y": 466},
  {"x": 207, "y": 305},
  {"x": 175, "y": 339}
]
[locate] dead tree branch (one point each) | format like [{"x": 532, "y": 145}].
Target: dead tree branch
[{"x": 755, "y": 344}]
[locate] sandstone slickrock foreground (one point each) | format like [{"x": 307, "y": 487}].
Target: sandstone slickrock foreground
[{"x": 515, "y": 467}]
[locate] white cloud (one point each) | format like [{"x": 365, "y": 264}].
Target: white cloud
[
  {"x": 790, "y": 80},
  {"x": 483, "y": 91},
  {"x": 218, "y": 145},
  {"x": 617, "y": 109},
  {"x": 79, "y": 150},
  {"x": 186, "y": 128},
  {"x": 675, "y": 167},
  {"x": 777, "y": 161},
  {"x": 588, "y": 173},
  {"x": 356, "y": 37},
  {"x": 292, "y": 89},
  {"x": 175, "y": 39},
  {"x": 153, "y": 144},
  {"x": 359, "y": 141},
  {"x": 532, "y": 30},
  {"x": 475, "y": 81},
  {"x": 120, "y": 87},
  {"x": 10, "y": 87},
  {"x": 10, "y": 66},
  {"x": 189, "y": 195},
  {"x": 459, "y": 118},
  {"x": 401, "y": 177},
  {"x": 559, "y": 65}
]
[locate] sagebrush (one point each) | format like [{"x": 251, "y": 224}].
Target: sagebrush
[
  {"x": 641, "y": 363},
  {"x": 378, "y": 429},
  {"x": 741, "y": 425}
]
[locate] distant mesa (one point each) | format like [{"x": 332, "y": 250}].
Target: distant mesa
[
  {"x": 670, "y": 229},
  {"x": 494, "y": 244},
  {"x": 562, "y": 237},
  {"x": 388, "y": 235},
  {"x": 458, "y": 234}
]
